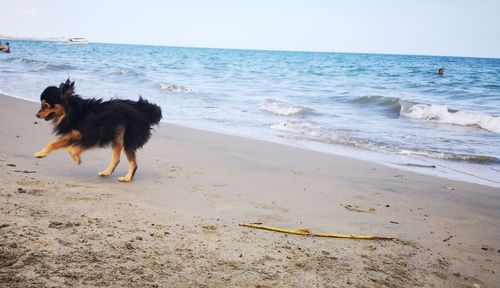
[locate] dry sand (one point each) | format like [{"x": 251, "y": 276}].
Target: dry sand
[{"x": 176, "y": 225}]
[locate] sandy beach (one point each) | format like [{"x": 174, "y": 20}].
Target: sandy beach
[{"x": 176, "y": 225}]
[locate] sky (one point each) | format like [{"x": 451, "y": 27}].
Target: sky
[{"x": 419, "y": 27}]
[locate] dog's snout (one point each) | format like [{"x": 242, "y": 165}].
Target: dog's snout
[{"x": 38, "y": 115}]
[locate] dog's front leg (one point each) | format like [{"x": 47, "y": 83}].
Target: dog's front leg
[{"x": 56, "y": 144}]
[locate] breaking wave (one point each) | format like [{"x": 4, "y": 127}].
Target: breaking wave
[
  {"x": 283, "y": 109},
  {"x": 395, "y": 107},
  {"x": 441, "y": 114}
]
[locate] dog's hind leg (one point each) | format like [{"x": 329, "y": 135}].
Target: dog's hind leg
[
  {"x": 117, "y": 150},
  {"x": 132, "y": 167},
  {"x": 115, "y": 159}
]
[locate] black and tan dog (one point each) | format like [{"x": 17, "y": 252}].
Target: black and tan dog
[{"x": 82, "y": 124}]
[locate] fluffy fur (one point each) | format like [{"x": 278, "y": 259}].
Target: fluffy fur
[{"x": 82, "y": 124}]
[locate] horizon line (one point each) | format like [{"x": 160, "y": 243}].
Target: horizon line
[{"x": 58, "y": 38}]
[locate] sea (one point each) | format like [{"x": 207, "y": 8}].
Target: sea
[{"x": 390, "y": 109}]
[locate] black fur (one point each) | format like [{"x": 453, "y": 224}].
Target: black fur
[{"x": 98, "y": 121}]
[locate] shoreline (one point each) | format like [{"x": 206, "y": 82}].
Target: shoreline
[
  {"x": 397, "y": 161},
  {"x": 176, "y": 225}
]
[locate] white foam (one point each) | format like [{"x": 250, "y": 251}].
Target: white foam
[
  {"x": 283, "y": 109},
  {"x": 301, "y": 128},
  {"x": 306, "y": 130},
  {"x": 121, "y": 71},
  {"x": 174, "y": 88},
  {"x": 441, "y": 114}
]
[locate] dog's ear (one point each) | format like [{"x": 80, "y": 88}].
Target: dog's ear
[{"x": 67, "y": 88}]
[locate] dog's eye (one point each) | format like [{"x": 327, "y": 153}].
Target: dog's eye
[{"x": 45, "y": 105}]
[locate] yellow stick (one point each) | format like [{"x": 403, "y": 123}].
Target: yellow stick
[{"x": 306, "y": 232}]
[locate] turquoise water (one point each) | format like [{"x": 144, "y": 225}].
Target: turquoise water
[{"x": 392, "y": 109}]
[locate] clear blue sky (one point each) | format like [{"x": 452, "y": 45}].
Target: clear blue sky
[{"x": 429, "y": 27}]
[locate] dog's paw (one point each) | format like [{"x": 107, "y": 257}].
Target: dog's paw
[
  {"x": 75, "y": 158},
  {"x": 104, "y": 173},
  {"x": 124, "y": 179},
  {"x": 41, "y": 154}
]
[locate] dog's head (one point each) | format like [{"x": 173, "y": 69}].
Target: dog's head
[{"x": 52, "y": 107}]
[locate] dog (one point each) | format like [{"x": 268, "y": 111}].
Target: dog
[{"x": 82, "y": 124}]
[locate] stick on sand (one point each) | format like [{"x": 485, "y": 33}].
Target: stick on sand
[{"x": 307, "y": 232}]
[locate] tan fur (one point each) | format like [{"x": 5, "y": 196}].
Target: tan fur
[
  {"x": 70, "y": 142},
  {"x": 131, "y": 171},
  {"x": 59, "y": 110},
  {"x": 76, "y": 135},
  {"x": 115, "y": 156},
  {"x": 46, "y": 110},
  {"x": 62, "y": 142},
  {"x": 75, "y": 152},
  {"x": 54, "y": 145},
  {"x": 67, "y": 140}
]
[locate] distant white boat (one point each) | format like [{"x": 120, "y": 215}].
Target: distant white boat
[{"x": 76, "y": 41}]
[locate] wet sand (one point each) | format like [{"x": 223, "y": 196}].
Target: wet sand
[{"x": 176, "y": 225}]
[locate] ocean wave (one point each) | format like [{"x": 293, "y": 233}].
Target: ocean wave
[
  {"x": 283, "y": 109},
  {"x": 313, "y": 132},
  {"x": 53, "y": 67},
  {"x": 491, "y": 86},
  {"x": 390, "y": 106},
  {"x": 174, "y": 88},
  {"x": 128, "y": 73},
  {"x": 39, "y": 65},
  {"x": 478, "y": 159},
  {"x": 121, "y": 71},
  {"x": 16, "y": 59},
  {"x": 441, "y": 114},
  {"x": 309, "y": 131},
  {"x": 395, "y": 107},
  {"x": 377, "y": 100}
]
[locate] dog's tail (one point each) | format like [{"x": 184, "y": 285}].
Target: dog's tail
[{"x": 151, "y": 113}]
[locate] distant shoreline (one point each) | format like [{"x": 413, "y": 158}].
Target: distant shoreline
[
  {"x": 61, "y": 39},
  {"x": 14, "y": 38}
]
